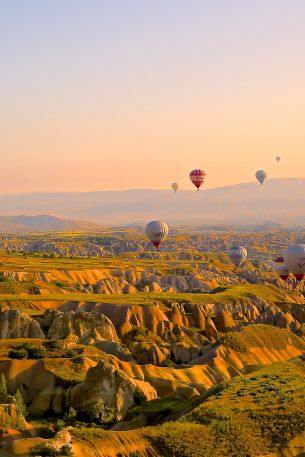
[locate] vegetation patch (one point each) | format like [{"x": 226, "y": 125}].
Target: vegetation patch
[{"x": 262, "y": 336}]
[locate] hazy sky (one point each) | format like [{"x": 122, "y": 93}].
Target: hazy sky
[{"x": 118, "y": 94}]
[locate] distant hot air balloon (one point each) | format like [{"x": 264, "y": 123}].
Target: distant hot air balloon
[
  {"x": 281, "y": 268},
  {"x": 238, "y": 255},
  {"x": 175, "y": 186},
  {"x": 156, "y": 232},
  {"x": 278, "y": 158},
  {"x": 261, "y": 175},
  {"x": 197, "y": 177},
  {"x": 294, "y": 258}
]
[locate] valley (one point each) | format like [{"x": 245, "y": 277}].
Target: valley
[{"x": 122, "y": 351}]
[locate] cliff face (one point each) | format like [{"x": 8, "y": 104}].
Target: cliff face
[
  {"x": 110, "y": 384},
  {"x": 85, "y": 328},
  {"x": 115, "y": 381},
  {"x": 15, "y": 324}
]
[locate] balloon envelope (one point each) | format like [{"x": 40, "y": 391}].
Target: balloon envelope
[
  {"x": 238, "y": 255},
  {"x": 281, "y": 268},
  {"x": 261, "y": 175},
  {"x": 156, "y": 232},
  {"x": 197, "y": 177},
  {"x": 278, "y": 158},
  {"x": 175, "y": 186},
  {"x": 294, "y": 258}
]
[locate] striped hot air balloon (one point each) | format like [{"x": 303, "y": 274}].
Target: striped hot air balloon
[
  {"x": 156, "y": 232},
  {"x": 281, "y": 268},
  {"x": 294, "y": 258},
  {"x": 197, "y": 177}
]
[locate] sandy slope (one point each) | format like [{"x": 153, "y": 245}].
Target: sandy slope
[{"x": 113, "y": 444}]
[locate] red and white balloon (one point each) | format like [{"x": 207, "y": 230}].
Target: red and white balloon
[
  {"x": 281, "y": 268},
  {"x": 197, "y": 177},
  {"x": 156, "y": 232},
  {"x": 294, "y": 258}
]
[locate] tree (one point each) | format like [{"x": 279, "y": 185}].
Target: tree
[
  {"x": 19, "y": 403},
  {"x": 3, "y": 389},
  {"x": 70, "y": 415},
  {"x": 101, "y": 413}
]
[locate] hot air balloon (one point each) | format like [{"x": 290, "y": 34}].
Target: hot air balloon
[
  {"x": 197, "y": 177},
  {"x": 278, "y": 158},
  {"x": 261, "y": 175},
  {"x": 281, "y": 269},
  {"x": 156, "y": 232},
  {"x": 294, "y": 258},
  {"x": 175, "y": 186},
  {"x": 238, "y": 255}
]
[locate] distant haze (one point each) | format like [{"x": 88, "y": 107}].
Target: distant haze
[{"x": 278, "y": 200}]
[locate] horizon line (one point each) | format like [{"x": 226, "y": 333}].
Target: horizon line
[{"x": 204, "y": 189}]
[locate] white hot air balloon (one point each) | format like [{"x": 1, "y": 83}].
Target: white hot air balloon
[
  {"x": 175, "y": 186},
  {"x": 238, "y": 255},
  {"x": 294, "y": 258},
  {"x": 281, "y": 268},
  {"x": 278, "y": 158},
  {"x": 261, "y": 175},
  {"x": 156, "y": 232}
]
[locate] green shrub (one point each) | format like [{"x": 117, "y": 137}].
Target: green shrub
[
  {"x": 3, "y": 278},
  {"x": 70, "y": 416},
  {"x": 3, "y": 389},
  {"x": 18, "y": 354},
  {"x": 70, "y": 354},
  {"x": 36, "y": 353},
  {"x": 53, "y": 344},
  {"x": 99, "y": 413},
  {"x": 27, "y": 346},
  {"x": 44, "y": 450},
  {"x": 61, "y": 284},
  {"x": 139, "y": 398},
  {"x": 66, "y": 450},
  {"x": 139, "y": 333},
  {"x": 60, "y": 424}
]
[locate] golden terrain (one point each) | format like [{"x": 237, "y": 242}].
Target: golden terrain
[{"x": 183, "y": 354}]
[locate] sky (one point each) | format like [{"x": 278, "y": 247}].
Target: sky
[{"x": 120, "y": 94}]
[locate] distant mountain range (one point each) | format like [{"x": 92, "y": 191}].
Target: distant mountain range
[
  {"x": 22, "y": 224},
  {"x": 278, "y": 200}
]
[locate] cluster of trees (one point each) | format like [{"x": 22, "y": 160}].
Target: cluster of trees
[
  {"x": 28, "y": 351},
  {"x": 16, "y": 400}
]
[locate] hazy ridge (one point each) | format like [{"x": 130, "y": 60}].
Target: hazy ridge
[{"x": 279, "y": 200}]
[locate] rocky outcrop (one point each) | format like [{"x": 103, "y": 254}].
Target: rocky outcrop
[
  {"x": 185, "y": 352},
  {"x": 144, "y": 352},
  {"x": 224, "y": 322},
  {"x": 15, "y": 324},
  {"x": 110, "y": 384},
  {"x": 114, "y": 348},
  {"x": 86, "y": 328}
]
